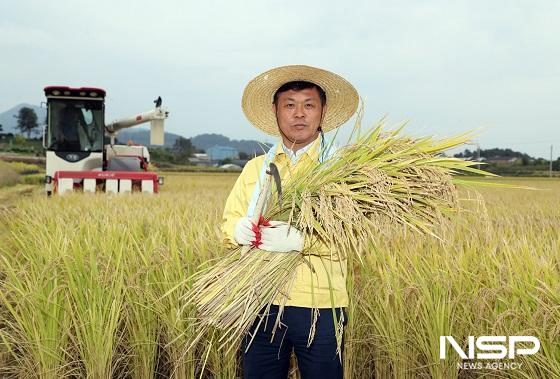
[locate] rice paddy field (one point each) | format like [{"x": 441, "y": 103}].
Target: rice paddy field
[{"x": 91, "y": 285}]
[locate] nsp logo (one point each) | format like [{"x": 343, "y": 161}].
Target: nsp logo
[{"x": 490, "y": 347}]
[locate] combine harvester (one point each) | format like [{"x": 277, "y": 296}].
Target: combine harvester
[{"x": 81, "y": 150}]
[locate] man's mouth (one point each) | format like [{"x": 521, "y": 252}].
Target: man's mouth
[{"x": 299, "y": 126}]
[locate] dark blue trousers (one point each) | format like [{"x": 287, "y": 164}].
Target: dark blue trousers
[{"x": 271, "y": 360}]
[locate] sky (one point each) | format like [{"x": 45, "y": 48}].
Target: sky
[{"x": 444, "y": 67}]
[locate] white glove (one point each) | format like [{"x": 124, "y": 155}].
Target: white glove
[
  {"x": 280, "y": 237},
  {"x": 243, "y": 233}
]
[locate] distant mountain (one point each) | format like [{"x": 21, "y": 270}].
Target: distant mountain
[
  {"x": 202, "y": 141},
  {"x": 8, "y": 118},
  {"x": 251, "y": 147},
  {"x": 142, "y": 137}
]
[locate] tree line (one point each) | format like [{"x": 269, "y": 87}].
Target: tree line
[{"x": 26, "y": 122}]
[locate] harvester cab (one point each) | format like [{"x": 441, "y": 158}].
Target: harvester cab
[{"x": 81, "y": 150}]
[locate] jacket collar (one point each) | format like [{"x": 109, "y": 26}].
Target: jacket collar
[{"x": 310, "y": 150}]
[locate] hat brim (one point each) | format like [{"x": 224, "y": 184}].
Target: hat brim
[{"x": 342, "y": 97}]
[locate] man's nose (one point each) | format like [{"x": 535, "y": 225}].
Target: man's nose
[{"x": 299, "y": 111}]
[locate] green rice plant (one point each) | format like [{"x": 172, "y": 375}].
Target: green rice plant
[
  {"x": 141, "y": 320},
  {"x": 176, "y": 326},
  {"x": 36, "y": 322},
  {"x": 189, "y": 239},
  {"x": 33, "y": 179},
  {"x": 37, "y": 344},
  {"x": 96, "y": 294},
  {"x": 23, "y": 168}
]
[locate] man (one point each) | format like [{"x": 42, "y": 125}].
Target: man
[
  {"x": 68, "y": 138},
  {"x": 298, "y": 104}
]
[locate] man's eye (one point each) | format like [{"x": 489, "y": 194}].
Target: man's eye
[
  {"x": 310, "y": 106},
  {"x": 289, "y": 105}
]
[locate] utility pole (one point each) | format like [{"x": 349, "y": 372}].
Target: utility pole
[
  {"x": 478, "y": 153},
  {"x": 550, "y": 164}
]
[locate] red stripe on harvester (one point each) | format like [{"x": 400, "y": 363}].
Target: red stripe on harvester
[{"x": 132, "y": 175}]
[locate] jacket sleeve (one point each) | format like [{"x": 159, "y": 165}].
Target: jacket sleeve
[{"x": 237, "y": 203}]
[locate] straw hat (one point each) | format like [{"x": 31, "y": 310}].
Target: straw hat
[{"x": 342, "y": 97}]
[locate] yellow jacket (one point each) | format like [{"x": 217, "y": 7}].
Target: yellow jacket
[{"x": 310, "y": 289}]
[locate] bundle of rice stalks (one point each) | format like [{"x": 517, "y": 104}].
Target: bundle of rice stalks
[{"x": 343, "y": 202}]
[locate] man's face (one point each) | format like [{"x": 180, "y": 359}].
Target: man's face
[{"x": 299, "y": 116}]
